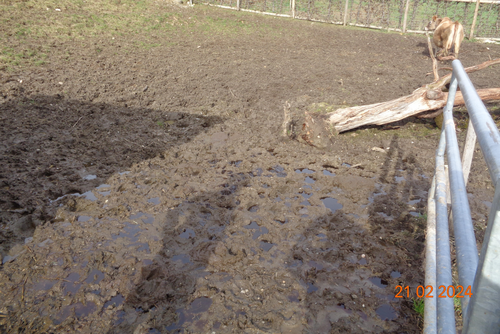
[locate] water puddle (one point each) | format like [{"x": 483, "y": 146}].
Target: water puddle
[
  {"x": 278, "y": 170},
  {"x": 88, "y": 195},
  {"x": 266, "y": 246},
  {"x": 90, "y": 177},
  {"x": 115, "y": 301},
  {"x": 130, "y": 232},
  {"x": 414, "y": 214},
  {"x": 345, "y": 164},
  {"x": 103, "y": 189},
  {"x": 385, "y": 216},
  {"x": 328, "y": 173},
  {"x": 71, "y": 286},
  {"x": 94, "y": 277},
  {"x": 154, "y": 200},
  {"x": 236, "y": 163},
  {"x": 311, "y": 288},
  {"x": 386, "y": 312},
  {"x": 254, "y": 208},
  {"x": 256, "y": 172},
  {"x": 379, "y": 282},
  {"x": 191, "y": 314},
  {"x": 304, "y": 171},
  {"x": 44, "y": 285},
  {"x": 294, "y": 297},
  {"x": 415, "y": 201},
  {"x": 362, "y": 261},
  {"x": 188, "y": 233},
  {"x": 184, "y": 258},
  {"x": 332, "y": 204},
  {"x": 395, "y": 274},
  {"x": 399, "y": 179},
  {"x": 83, "y": 218},
  {"x": 322, "y": 237},
  {"x": 310, "y": 180},
  {"x": 259, "y": 230},
  {"x": 78, "y": 309}
]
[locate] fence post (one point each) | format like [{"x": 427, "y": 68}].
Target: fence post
[
  {"x": 293, "y": 8},
  {"x": 406, "y": 15},
  {"x": 474, "y": 20},
  {"x": 345, "y": 11}
]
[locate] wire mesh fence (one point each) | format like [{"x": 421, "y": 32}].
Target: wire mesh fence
[{"x": 399, "y": 15}]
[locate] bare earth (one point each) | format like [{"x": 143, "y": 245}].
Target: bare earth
[{"x": 192, "y": 214}]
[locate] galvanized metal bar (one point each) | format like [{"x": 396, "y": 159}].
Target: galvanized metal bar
[
  {"x": 465, "y": 240},
  {"x": 445, "y": 307},
  {"x": 486, "y": 130},
  {"x": 483, "y": 313},
  {"x": 430, "y": 307}
]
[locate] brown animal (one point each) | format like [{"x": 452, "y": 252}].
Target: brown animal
[{"x": 446, "y": 34}]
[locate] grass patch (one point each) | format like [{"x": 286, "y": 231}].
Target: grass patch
[{"x": 419, "y": 306}]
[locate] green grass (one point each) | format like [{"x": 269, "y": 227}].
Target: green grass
[{"x": 419, "y": 306}]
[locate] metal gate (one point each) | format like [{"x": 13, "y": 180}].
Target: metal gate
[{"x": 478, "y": 275}]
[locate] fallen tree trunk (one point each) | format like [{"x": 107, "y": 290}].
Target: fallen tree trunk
[{"x": 427, "y": 98}]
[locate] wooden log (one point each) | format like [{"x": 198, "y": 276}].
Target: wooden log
[{"x": 318, "y": 127}]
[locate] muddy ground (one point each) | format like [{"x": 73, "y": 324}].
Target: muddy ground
[{"x": 151, "y": 191}]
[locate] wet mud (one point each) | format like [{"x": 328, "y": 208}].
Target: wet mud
[{"x": 168, "y": 202}]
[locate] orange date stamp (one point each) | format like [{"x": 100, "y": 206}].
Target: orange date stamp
[{"x": 449, "y": 291}]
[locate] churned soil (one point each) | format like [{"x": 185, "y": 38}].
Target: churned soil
[{"x": 152, "y": 191}]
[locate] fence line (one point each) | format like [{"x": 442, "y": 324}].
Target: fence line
[
  {"x": 479, "y": 277},
  {"x": 481, "y": 18}
]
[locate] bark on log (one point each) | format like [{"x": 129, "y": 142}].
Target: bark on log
[{"x": 427, "y": 98}]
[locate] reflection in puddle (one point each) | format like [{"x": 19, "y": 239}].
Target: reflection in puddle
[
  {"x": 378, "y": 282},
  {"x": 79, "y": 310},
  {"x": 201, "y": 304},
  {"x": 322, "y": 237},
  {"x": 83, "y": 218},
  {"x": 236, "y": 163},
  {"x": 399, "y": 179},
  {"x": 386, "y": 312},
  {"x": 130, "y": 232},
  {"x": 188, "y": 233},
  {"x": 254, "y": 208},
  {"x": 94, "y": 277},
  {"x": 90, "y": 177},
  {"x": 311, "y": 288},
  {"x": 310, "y": 180},
  {"x": 184, "y": 258},
  {"x": 362, "y": 261},
  {"x": 71, "y": 286},
  {"x": 328, "y": 173},
  {"x": 294, "y": 297},
  {"x": 332, "y": 204},
  {"x": 44, "y": 285},
  {"x": 395, "y": 274},
  {"x": 104, "y": 189},
  {"x": 415, "y": 214},
  {"x": 191, "y": 314},
  {"x": 304, "y": 171},
  {"x": 278, "y": 170},
  {"x": 154, "y": 200},
  {"x": 266, "y": 246},
  {"x": 260, "y": 230},
  {"x": 115, "y": 301},
  {"x": 415, "y": 201},
  {"x": 89, "y": 195}
]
